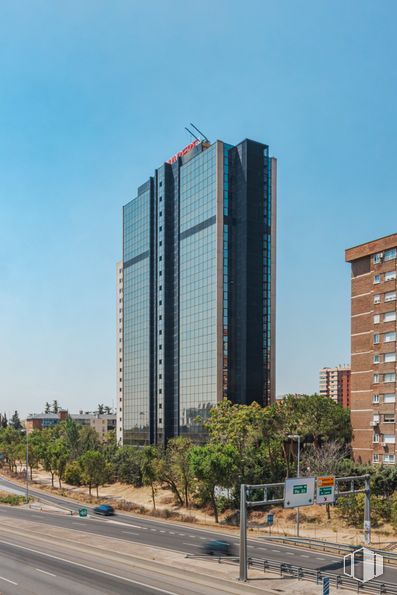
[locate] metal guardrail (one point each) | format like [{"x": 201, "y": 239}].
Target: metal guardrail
[
  {"x": 340, "y": 548},
  {"x": 341, "y": 581},
  {"x": 375, "y": 587}
]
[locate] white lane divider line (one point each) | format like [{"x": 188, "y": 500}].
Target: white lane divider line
[
  {"x": 130, "y": 532},
  {"x": 8, "y": 580},
  {"x": 303, "y": 556},
  {"x": 45, "y": 572},
  {"x": 191, "y": 544},
  {"x": 79, "y": 565}
]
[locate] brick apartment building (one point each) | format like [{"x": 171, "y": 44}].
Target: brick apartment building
[
  {"x": 373, "y": 349},
  {"x": 335, "y": 384}
]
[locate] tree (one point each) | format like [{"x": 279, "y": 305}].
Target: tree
[
  {"x": 100, "y": 409},
  {"x": 127, "y": 463},
  {"x": 16, "y": 422},
  {"x": 55, "y": 406},
  {"x": 95, "y": 469},
  {"x": 73, "y": 473},
  {"x": 88, "y": 439},
  {"x": 47, "y": 407},
  {"x": 214, "y": 465},
  {"x": 149, "y": 469},
  {"x": 108, "y": 410},
  {"x": 176, "y": 469},
  {"x": 4, "y": 420},
  {"x": 324, "y": 461}
]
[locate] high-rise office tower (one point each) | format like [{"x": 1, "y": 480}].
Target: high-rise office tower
[
  {"x": 335, "y": 384},
  {"x": 119, "y": 352},
  {"x": 198, "y": 289},
  {"x": 373, "y": 349}
]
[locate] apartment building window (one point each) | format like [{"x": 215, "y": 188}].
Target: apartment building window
[
  {"x": 389, "y": 398},
  {"x": 378, "y": 258},
  {"x": 377, "y": 279},
  {"x": 389, "y": 377},
  {"x": 388, "y": 418},
  {"x": 376, "y": 318},
  {"x": 390, "y": 275},
  {"x": 375, "y": 399},
  {"x": 375, "y": 437},
  {"x": 377, "y": 298},
  {"x": 389, "y": 438},
  {"x": 376, "y": 378},
  {"x": 390, "y": 357},
  {"x": 389, "y": 337},
  {"x": 389, "y": 458},
  {"x": 376, "y": 358},
  {"x": 389, "y": 316},
  {"x": 390, "y": 254},
  {"x": 390, "y": 296},
  {"x": 376, "y": 339},
  {"x": 375, "y": 458}
]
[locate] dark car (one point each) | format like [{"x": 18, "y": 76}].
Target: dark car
[
  {"x": 104, "y": 509},
  {"x": 218, "y": 547}
]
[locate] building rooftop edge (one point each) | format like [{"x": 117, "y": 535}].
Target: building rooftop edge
[{"x": 371, "y": 247}]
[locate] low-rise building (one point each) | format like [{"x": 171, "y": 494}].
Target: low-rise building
[{"x": 102, "y": 423}]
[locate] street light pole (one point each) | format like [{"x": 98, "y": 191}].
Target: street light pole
[
  {"x": 298, "y": 438},
  {"x": 27, "y": 466}
]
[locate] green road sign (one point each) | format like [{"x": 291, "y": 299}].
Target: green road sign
[
  {"x": 301, "y": 489},
  {"x": 83, "y": 512},
  {"x": 325, "y": 491}
]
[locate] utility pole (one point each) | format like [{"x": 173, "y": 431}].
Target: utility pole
[
  {"x": 298, "y": 438},
  {"x": 27, "y": 466},
  {"x": 243, "y": 533}
]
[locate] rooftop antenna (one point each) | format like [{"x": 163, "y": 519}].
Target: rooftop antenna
[
  {"x": 197, "y": 130},
  {"x": 193, "y": 135}
]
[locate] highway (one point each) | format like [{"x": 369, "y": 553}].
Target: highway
[{"x": 173, "y": 536}]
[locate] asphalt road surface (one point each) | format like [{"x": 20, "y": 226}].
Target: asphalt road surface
[{"x": 176, "y": 536}]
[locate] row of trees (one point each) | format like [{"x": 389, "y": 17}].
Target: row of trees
[{"x": 245, "y": 444}]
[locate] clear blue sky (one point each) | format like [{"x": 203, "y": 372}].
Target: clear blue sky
[{"x": 95, "y": 94}]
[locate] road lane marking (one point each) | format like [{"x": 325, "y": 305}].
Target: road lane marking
[
  {"x": 72, "y": 563},
  {"x": 130, "y": 532},
  {"x": 303, "y": 556},
  {"x": 191, "y": 544},
  {"x": 8, "y": 580},
  {"x": 278, "y": 551},
  {"x": 45, "y": 572}
]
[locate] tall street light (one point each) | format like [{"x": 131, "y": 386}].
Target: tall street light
[{"x": 298, "y": 438}]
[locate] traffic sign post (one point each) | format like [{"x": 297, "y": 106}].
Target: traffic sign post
[
  {"x": 325, "y": 585},
  {"x": 83, "y": 512},
  {"x": 299, "y": 491},
  {"x": 325, "y": 493}
]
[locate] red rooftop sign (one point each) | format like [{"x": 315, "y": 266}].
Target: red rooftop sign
[{"x": 184, "y": 151}]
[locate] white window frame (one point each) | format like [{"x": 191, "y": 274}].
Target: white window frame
[
  {"x": 389, "y": 276},
  {"x": 375, "y": 399},
  {"x": 389, "y": 316},
  {"x": 376, "y": 318},
  {"x": 389, "y": 374},
  {"x": 377, "y": 299},
  {"x": 389, "y": 357},
  {"x": 375, "y": 457},
  {"x": 389, "y": 254},
  {"x": 389, "y": 421},
  {"x": 377, "y": 279},
  {"x": 375, "y": 438},
  {"x": 376, "y": 379},
  {"x": 376, "y": 358},
  {"x": 389, "y": 459},
  {"x": 389, "y": 438},
  {"x": 390, "y": 296},
  {"x": 389, "y": 398},
  {"x": 376, "y": 339},
  {"x": 392, "y": 335}
]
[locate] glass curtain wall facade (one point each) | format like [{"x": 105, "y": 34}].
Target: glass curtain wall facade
[{"x": 199, "y": 271}]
